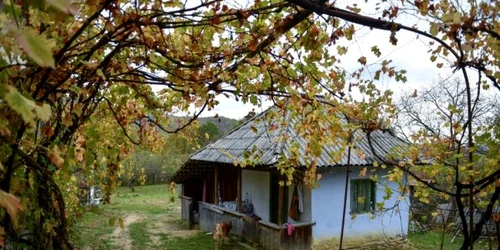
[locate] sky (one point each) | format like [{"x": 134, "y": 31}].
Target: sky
[{"x": 411, "y": 53}]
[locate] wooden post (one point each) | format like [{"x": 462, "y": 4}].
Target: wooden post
[
  {"x": 239, "y": 189},
  {"x": 216, "y": 186},
  {"x": 281, "y": 193}
]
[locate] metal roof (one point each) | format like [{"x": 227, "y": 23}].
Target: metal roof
[{"x": 264, "y": 134}]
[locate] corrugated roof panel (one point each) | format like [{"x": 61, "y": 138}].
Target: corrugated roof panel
[{"x": 234, "y": 145}]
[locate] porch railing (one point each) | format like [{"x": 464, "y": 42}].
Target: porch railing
[
  {"x": 187, "y": 209},
  {"x": 266, "y": 234}
]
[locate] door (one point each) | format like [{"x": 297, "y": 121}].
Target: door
[{"x": 274, "y": 199}]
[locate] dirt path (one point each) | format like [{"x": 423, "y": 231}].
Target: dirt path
[
  {"x": 120, "y": 236},
  {"x": 150, "y": 221},
  {"x": 121, "y": 239}
]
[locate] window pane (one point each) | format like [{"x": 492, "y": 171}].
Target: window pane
[{"x": 362, "y": 195}]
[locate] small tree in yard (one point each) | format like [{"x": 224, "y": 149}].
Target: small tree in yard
[
  {"x": 76, "y": 74},
  {"x": 432, "y": 119}
]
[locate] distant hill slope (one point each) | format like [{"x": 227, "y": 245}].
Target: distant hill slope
[{"x": 224, "y": 124}]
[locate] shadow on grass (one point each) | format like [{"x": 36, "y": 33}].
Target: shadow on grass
[{"x": 200, "y": 241}]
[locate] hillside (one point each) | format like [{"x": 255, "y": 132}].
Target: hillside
[{"x": 224, "y": 124}]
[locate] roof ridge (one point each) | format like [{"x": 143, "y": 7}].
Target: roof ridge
[{"x": 230, "y": 132}]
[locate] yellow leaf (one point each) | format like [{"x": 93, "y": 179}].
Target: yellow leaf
[
  {"x": 121, "y": 222},
  {"x": 55, "y": 157},
  {"x": 64, "y": 6},
  {"x": 37, "y": 48},
  {"x": 362, "y": 173},
  {"x": 67, "y": 119},
  {"x": 457, "y": 17}
]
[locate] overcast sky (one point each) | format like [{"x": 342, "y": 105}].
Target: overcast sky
[{"x": 411, "y": 53}]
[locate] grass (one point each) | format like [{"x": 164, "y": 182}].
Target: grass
[
  {"x": 432, "y": 240},
  {"x": 156, "y": 224}
]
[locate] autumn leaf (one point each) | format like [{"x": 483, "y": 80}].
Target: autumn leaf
[
  {"x": 37, "y": 48},
  {"x": 254, "y": 129},
  {"x": 11, "y": 204},
  {"x": 361, "y": 199},
  {"x": 67, "y": 119},
  {"x": 64, "y": 6},
  {"x": 25, "y": 107},
  {"x": 376, "y": 51},
  {"x": 55, "y": 157},
  {"x": 121, "y": 223},
  {"x": 314, "y": 30},
  {"x": 2, "y": 237},
  {"x": 47, "y": 130},
  {"x": 362, "y": 173},
  {"x": 362, "y": 60},
  {"x": 4, "y": 128}
]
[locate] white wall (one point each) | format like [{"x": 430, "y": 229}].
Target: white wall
[
  {"x": 256, "y": 184},
  {"x": 328, "y": 204}
]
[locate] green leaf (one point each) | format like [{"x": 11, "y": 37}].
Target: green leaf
[
  {"x": 376, "y": 51},
  {"x": 101, "y": 74},
  {"x": 25, "y": 107},
  {"x": 341, "y": 50},
  {"x": 457, "y": 17},
  {"x": 37, "y": 48},
  {"x": 434, "y": 29}
]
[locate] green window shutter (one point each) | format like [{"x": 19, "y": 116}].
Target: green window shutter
[
  {"x": 363, "y": 193},
  {"x": 354, "y": 196},
  {"x": 373, "y": 195},
  {"x": 368, "y": 194}
]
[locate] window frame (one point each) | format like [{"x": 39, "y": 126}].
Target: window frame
[{"x": 368, "y": 187}]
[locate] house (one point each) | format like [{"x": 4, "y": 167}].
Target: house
[{"x": 215, "y": 187}]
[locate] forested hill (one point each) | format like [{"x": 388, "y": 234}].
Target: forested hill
[{"x": 224, "y": 124}]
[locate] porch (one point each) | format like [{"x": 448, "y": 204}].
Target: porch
[
  {"x": 252, "y": 200},
  {"x": 266, "y": 234}
]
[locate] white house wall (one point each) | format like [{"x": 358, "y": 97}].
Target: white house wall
[
  {"x": 256, "y": 184},
  {"x": 327, "y": 208}
]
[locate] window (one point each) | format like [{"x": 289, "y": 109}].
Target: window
[{"x": 362, "y": 196}]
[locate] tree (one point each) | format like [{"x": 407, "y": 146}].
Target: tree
[
  {"x": 59, "y": 72},
  {"x": 432, "y": 119},
  {"x": 437, "y": 107},
  {"x": 207, "y": 133},
  {"x": 156, "y": 160}
]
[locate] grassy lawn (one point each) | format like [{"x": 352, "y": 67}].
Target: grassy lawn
[
  {"x": 151, "y": 221},
  {"x": 432, "y": 240}
]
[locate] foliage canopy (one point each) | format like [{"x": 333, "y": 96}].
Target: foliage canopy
[{"x": 76, "y": 74}]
